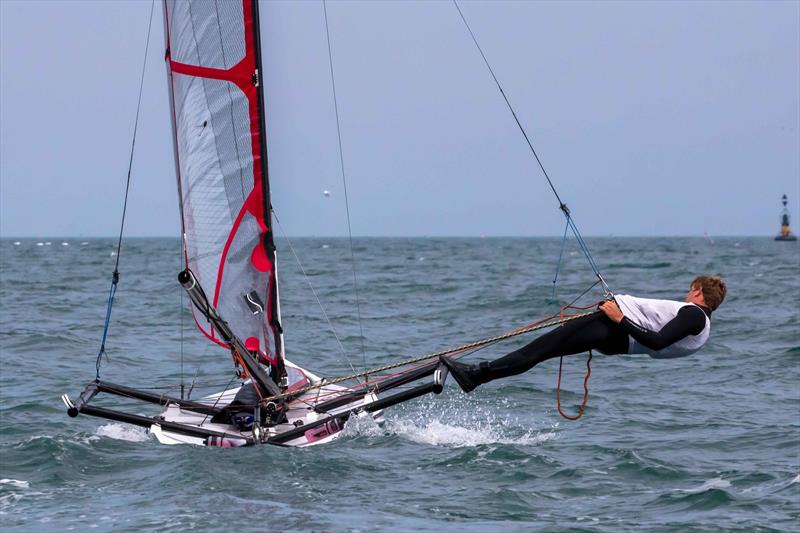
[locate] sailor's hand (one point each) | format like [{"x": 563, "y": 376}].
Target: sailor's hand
[{"x": 612, "y": 311}]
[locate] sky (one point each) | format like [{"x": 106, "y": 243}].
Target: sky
[{"x": 652, "y": 118}]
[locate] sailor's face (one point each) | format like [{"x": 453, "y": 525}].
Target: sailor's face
[{"x": 693, "y": 294}]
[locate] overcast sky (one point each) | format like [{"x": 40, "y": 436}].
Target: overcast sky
[{"x": 673, "y": 118}]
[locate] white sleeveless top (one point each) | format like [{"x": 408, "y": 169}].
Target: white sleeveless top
[{"x": 654, "y": 315}]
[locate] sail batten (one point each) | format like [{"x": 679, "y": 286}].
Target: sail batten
[{"x": 218, "y": 120}]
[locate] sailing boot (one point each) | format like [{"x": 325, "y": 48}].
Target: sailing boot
[{"x": 467, "y": 376}]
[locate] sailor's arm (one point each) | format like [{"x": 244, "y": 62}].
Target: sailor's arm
[{"x": 690, "y": 320}]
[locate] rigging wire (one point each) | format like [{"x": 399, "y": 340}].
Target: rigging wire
[
  {"x": 560, "y": 256},
  {"x": 181, "y": 313},
  {"x": 115, "y": 275},
  {"x": 344, "y": 184},
  {"x": 313, "y": 291},
  {"x": 561, "y": 204}
]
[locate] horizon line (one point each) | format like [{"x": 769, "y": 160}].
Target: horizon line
[{"x": 432, "y": 236}]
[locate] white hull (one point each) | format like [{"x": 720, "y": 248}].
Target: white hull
[{"x": 300, "y": 413}]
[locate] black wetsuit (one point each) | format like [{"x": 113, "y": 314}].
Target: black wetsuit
[{"x": 594, "y": 332}]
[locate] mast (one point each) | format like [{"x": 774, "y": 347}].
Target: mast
[{"x": 268, "y": 238}]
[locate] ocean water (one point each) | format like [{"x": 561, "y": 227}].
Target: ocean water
[{"x": 706, "y": 443}]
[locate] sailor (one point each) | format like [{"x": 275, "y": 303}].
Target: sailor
[{"x": 663, "y": 329}]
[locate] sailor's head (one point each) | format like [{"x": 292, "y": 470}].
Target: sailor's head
[{"x": 708, "y": 291}]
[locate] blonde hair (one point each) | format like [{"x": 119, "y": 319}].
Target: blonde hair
[{"x": 714, "y": 289}]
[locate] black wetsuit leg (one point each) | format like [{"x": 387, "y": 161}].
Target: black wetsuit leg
[{"x": 594, "y": 332}]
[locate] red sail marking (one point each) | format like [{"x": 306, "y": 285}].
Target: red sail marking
[
  {"x": 240, "y": 74},
  {"x": 209, "y": 336},
  {"x": 236, "y": 223}
]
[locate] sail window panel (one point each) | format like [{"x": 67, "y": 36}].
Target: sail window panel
[
  {"x": 216, "y": 165},
  {"x": 229, "y": 120},
  {"x": 207, "y": 216},
  {"x": 206, "y": 33}
]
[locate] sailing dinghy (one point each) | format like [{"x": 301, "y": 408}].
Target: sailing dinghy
[{"x": 213, "y": 59}]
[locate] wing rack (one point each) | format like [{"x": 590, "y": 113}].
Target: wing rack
[{"x": 334, "y": 419}]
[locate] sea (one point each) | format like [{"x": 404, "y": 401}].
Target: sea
[{"x": 709, "y": 442}]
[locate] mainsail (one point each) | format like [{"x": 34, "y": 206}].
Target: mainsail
[{"x": 214, "y": 72}]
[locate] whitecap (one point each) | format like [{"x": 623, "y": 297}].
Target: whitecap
[
  {"x": 438, "y": 433},
  {"x": 17, "y": 243},
  {"x": 39, "y": 244},
  {"x": 64, "y": 244},
  {"x": 84, "y": 243},
  {"x": 10, "y": 499},
  {"x": 13, "y": 490},
  {"x": 460, "y": 421},
  {"x": 715, "y": 483},
  {"x": 121, "y": 432},
  {"x": 769, "y": 487},
  {"x": 362, "y": 424},
  {"x": 48, "y": 243},
  {"x": 20, "y": 484}
]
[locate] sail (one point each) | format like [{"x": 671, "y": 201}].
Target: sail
[{"x": 213, "y": 65}]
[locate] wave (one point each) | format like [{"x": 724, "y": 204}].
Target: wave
[
  {"x": 437, "y": 433},
  {"x": 455, "y": 424},
  {"x": 16, "y": 483},
  {"x": 646, "y": 266},
  {"x": 709, "y": 495},
  {"x": 12, "y": 491},
  {"x": 716, "y": 483},
  {"x": 121, "y": 432}
]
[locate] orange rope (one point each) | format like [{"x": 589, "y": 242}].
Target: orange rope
[
  {"x": 585, "y": 389},
  {"x": 585, "y": 380}
]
